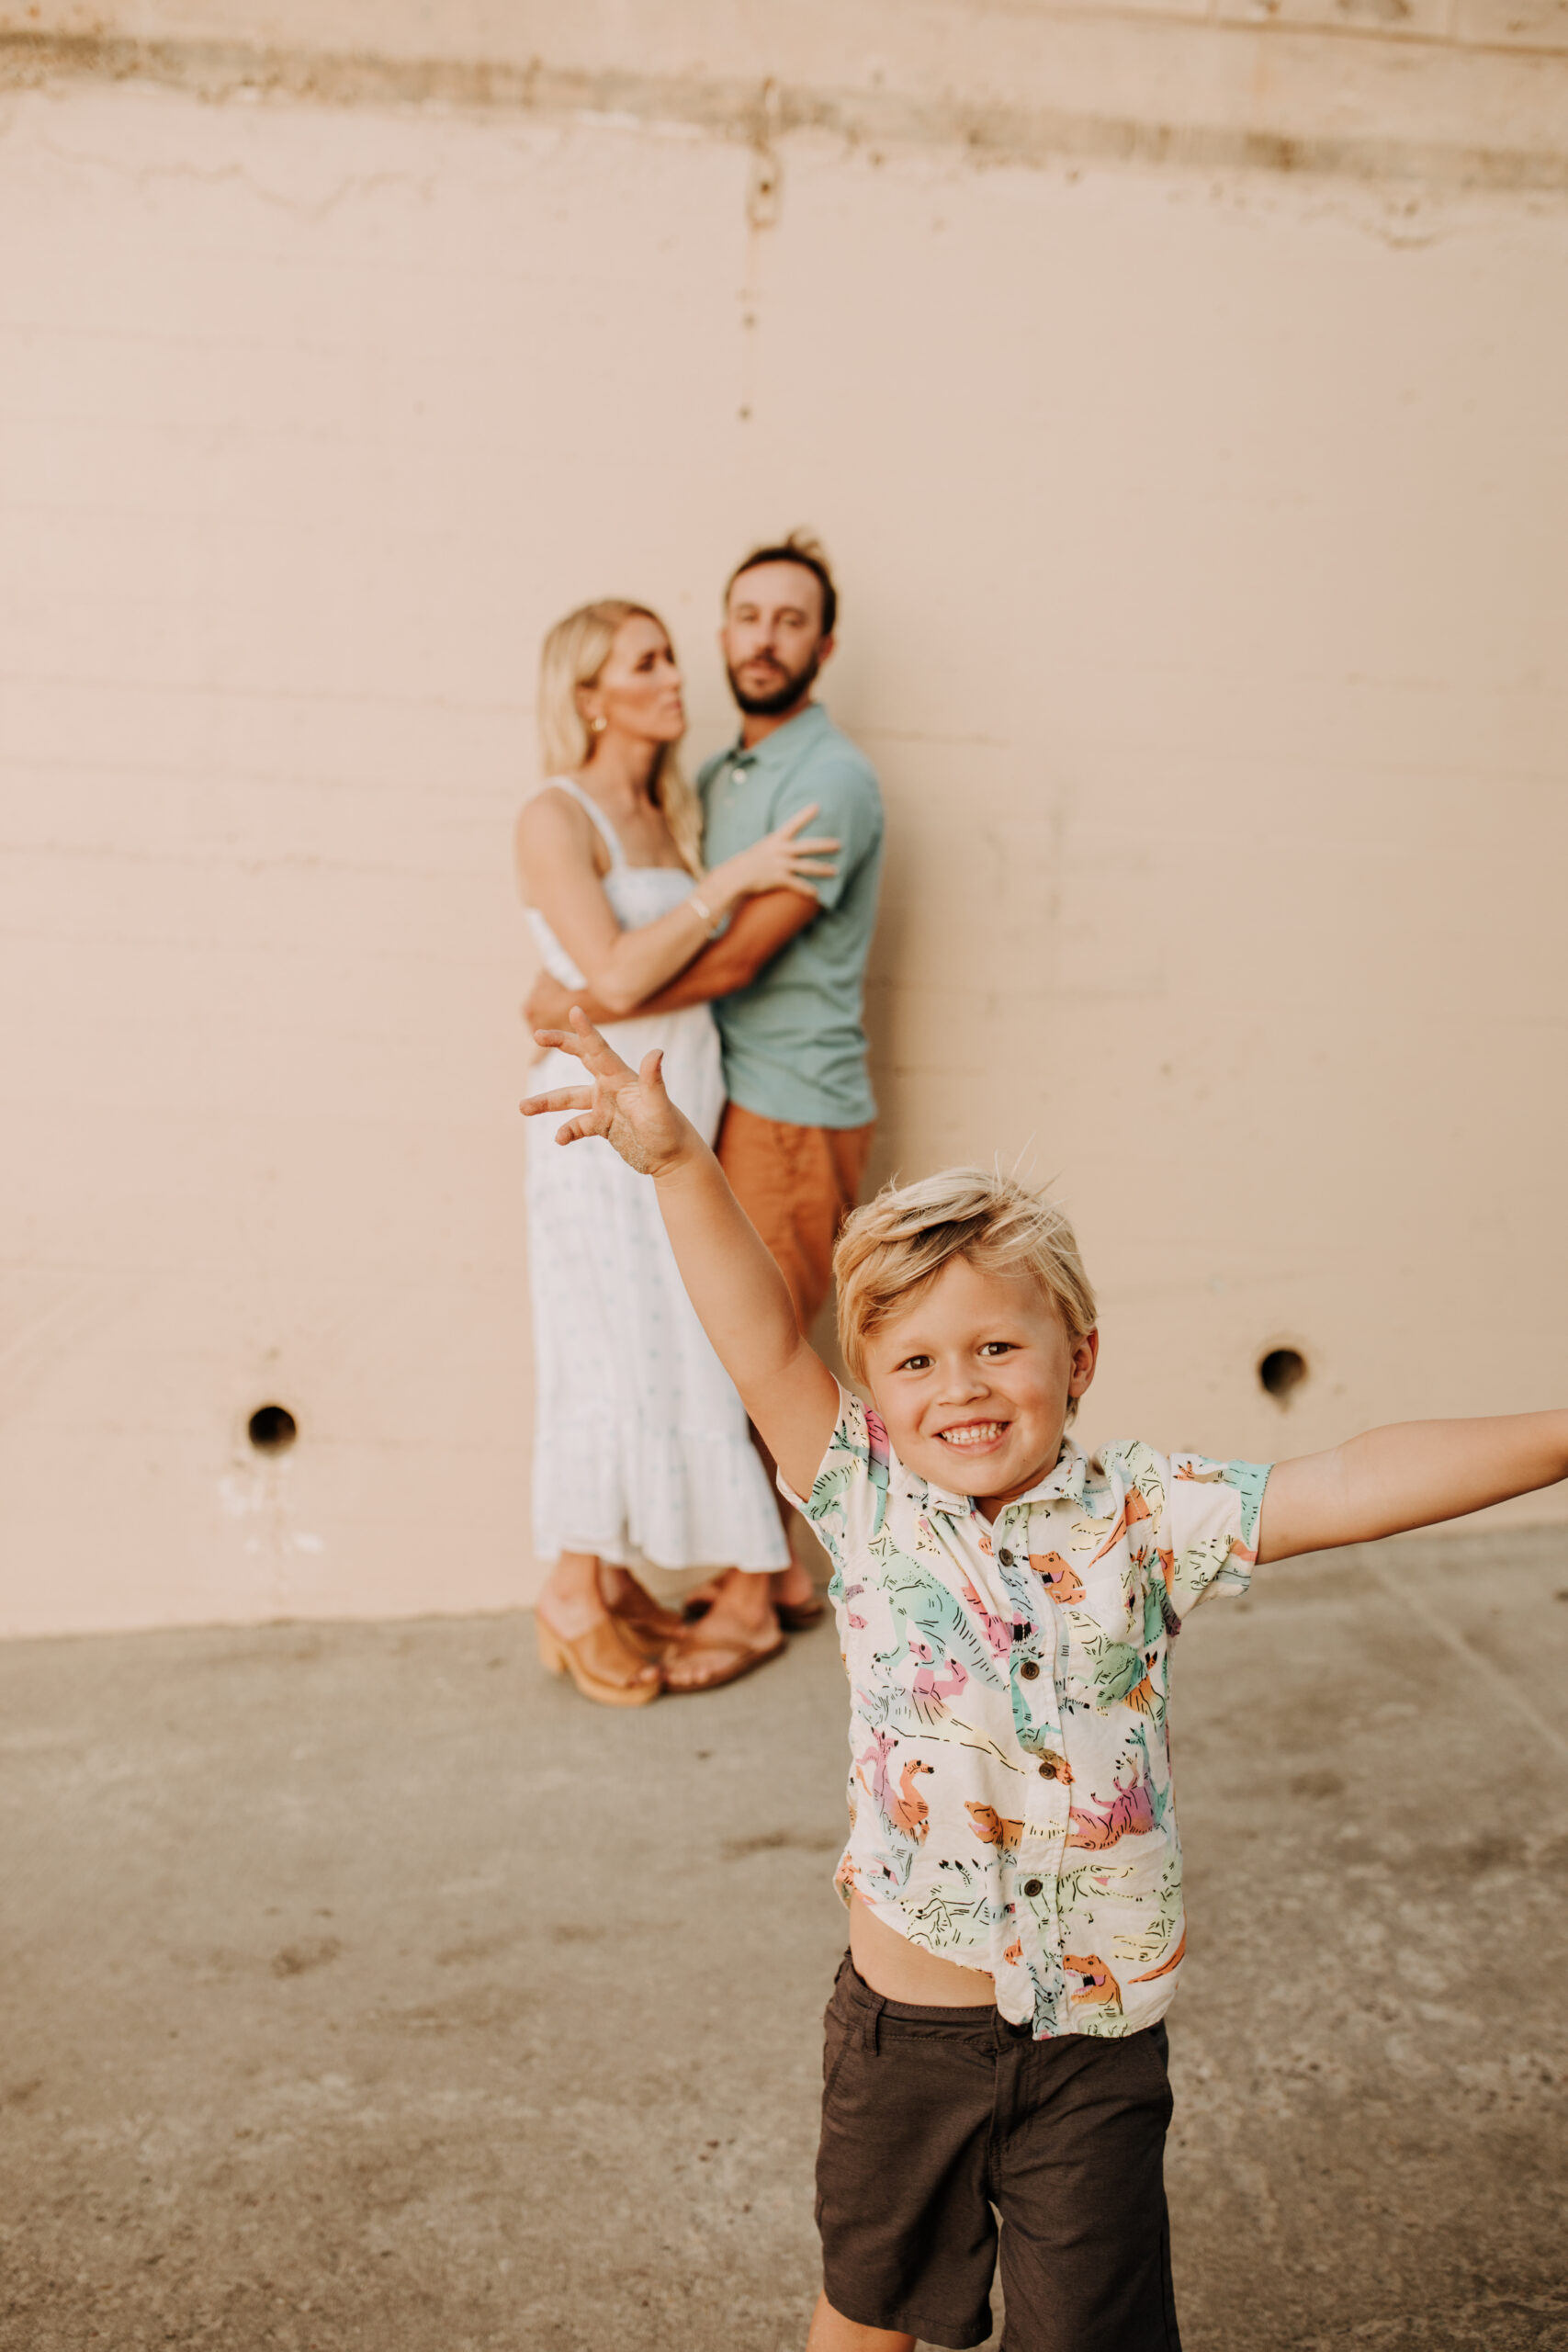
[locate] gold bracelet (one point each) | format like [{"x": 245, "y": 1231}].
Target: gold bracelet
[{"x": 702, "y": 911}]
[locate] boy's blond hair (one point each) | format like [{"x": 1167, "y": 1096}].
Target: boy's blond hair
[{"x": 890, "y": 1250}]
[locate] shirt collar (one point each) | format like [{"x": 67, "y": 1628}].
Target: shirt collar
[
  {"x": 1065, "y": 1483},
  {"x": 783, "y": 743}
]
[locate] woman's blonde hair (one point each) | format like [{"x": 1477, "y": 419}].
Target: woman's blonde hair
[
  {"x": 574, "y": 654},
  {"x": 892, "y": 1249}
]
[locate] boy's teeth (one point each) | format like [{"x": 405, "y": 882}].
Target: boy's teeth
[{"x": 976, "y": 1433}]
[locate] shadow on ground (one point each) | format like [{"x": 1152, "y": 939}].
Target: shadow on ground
[{"x": 363, "y": 1989}]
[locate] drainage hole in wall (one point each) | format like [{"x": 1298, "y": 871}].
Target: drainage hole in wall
[
  {"x": 1281, "y": 1372},
  {"x": 271, "y": 1429}
]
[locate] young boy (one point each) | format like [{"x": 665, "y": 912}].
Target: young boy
[{"x": 1006, "y": 1605}]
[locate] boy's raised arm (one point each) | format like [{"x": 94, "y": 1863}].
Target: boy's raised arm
[
  {"x": 1414, "y": 1474},
  {"x": 739, "y": 1293}
]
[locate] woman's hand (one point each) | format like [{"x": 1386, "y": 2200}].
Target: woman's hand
[
  {"x": 629, "y": 1108},
  {"x": 778, "y": 862}
]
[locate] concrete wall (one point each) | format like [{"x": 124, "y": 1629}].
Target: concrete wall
[{"x": 1204, "y": 531}]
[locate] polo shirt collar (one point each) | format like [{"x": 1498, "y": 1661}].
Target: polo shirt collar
[{"x": 795, "y": 735}]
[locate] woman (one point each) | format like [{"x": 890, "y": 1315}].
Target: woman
[{"x": 641, "y": 1451}]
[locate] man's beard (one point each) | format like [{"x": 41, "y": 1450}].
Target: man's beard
[{"x": 769, "y": 706}]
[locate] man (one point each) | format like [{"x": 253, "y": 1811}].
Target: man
[{"x": 786, "y": 982}]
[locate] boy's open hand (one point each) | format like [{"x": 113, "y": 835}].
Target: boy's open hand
[{"x": 629, "y": 1108}]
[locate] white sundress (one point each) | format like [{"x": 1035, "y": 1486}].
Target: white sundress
[{"x": 641, "y": 1452}]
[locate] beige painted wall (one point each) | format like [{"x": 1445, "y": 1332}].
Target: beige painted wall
[{"x": 1204, "y": 543}]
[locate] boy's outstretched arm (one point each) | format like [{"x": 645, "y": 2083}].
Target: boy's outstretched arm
[
  {"x": 1414, "y": 1474},
  {"x": 731, "y": 1280}
]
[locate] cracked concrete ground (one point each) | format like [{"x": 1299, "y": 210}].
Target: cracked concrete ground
[{"x": 362, "y": 1988}]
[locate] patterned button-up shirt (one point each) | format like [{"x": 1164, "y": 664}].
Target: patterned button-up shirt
[{"x": 1011, "y": 1802}]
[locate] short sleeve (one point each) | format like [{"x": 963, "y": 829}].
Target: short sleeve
[
  {"x": 849, "y": 811},
  {"x": 848, "y": 1494},
  {"x": 1207, "y": 1532}
]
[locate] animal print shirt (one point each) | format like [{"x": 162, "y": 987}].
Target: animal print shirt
[{"x": 1010, "y": 1802}]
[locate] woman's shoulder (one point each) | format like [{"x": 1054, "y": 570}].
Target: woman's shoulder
[
  {"x": 553, "y": 800},
  {"x": 552, "y": 817}
]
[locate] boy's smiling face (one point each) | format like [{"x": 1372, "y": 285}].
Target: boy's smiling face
[{"x": 973, "y": 1381}]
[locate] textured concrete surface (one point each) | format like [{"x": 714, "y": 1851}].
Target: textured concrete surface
[{"x": 363, "y": 1989}]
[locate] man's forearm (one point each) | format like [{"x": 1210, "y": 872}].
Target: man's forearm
[
  {"x": 712, "y": 975},
  {"x": 764, "y": 926},
  {"x": 719, "y": 971}
]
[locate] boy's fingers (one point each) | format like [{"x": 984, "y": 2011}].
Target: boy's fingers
[
  {"x": 586, "y": 1044},
  {"x": 577, "y": 1130},
  {"x": 589, "y": 1047},
  {"x": 565, "y": 1098}
]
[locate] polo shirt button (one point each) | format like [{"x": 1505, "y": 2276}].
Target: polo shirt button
[
  {"x": 1032, "y": 1886},
  {"x": 1006, "y": 1558},
  {"x": 1029, "y": 1668}
]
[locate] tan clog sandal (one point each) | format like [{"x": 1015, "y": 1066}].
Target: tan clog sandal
[
  {"x": 602, "y": 1662},
  {"x": 649, "y": 1628}
]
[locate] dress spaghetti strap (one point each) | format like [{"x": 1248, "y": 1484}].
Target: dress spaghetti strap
[{"x": 585, "y": 801}]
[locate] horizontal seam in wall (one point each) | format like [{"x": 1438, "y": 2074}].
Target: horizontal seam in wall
[{"x": 753, "y": 113}]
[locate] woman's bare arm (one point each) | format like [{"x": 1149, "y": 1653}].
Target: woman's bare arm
[
  {"x": 731, "y": 1280},
  {"x": 557, "y": 872},
  {"x": 1414, "y": 1474}
]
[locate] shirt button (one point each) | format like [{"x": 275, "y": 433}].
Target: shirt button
[
  {"x": 1047, "y": 1772},
  {"x": 1031, "y": 1886},
  {"x": 1029, "y": 1668},
  {"x": 1006, "y": 1558}
]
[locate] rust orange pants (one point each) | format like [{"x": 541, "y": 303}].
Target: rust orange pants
[{"x": 797, "y": 1185}]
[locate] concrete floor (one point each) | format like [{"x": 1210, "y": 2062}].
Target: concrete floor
[{"x": 364, "y": 1989}]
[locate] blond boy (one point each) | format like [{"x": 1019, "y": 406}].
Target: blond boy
[{"x": 1006, "y": 1604}]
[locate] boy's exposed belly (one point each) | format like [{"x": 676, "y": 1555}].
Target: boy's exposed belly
[{"x": 901, "y": 1971}]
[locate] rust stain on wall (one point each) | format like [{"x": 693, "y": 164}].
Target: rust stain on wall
[{"x": 729, "y": 109}]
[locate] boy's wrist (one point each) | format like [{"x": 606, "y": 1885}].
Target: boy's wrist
[{"x": 690, "y": 1153}]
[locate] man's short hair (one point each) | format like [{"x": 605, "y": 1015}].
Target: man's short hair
[
  {"x": 800, "y": 548},
  {"x": 890, "y": 1250}
]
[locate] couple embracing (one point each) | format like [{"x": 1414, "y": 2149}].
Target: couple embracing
[{"x": 728, "y": 924}]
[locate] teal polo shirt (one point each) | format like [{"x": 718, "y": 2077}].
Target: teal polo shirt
[{"x": 793, "y": 1042}]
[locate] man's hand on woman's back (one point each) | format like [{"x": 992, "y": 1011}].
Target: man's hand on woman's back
[{"x": 547, "y": 1004}]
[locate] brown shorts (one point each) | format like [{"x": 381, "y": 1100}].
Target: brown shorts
[
  {"x": 933, "y": 2117},
  {"x": 797, "y": 1185}
]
